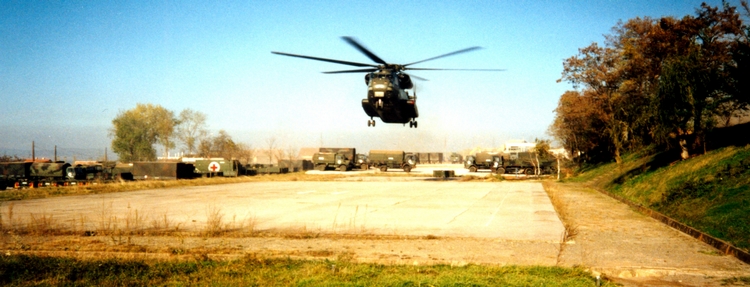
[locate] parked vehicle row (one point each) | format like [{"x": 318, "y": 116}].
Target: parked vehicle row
[
  {"x": 345, "y": 159},
  {"x": 514, "y": 162},
  {"x": 34, "y": 174}
]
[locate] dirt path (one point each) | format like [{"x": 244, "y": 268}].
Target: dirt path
[{"x": 610, "y": 238}]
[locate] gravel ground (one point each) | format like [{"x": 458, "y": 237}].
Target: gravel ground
[{"x": 605, "y": 236}]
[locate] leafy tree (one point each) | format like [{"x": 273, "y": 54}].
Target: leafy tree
[
  {"x": 695, "y": 85},
  {"x": 191, "y": 128},
  {"x": 135, "y": 131}
]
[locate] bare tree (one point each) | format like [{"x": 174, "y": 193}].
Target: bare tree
[
  {"x": 271, "y": 146},
  {"x": 191, "y": 128}
]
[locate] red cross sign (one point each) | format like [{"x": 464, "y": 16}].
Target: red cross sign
[{"x": 214, "y": 166}]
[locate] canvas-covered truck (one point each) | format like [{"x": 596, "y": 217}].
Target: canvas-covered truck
[
  {"x": 384, "y": 159},
  {"x": 341, "y": 159},
  {"x": 332, "y": 160},
  {"x": 484, "y": 160}
]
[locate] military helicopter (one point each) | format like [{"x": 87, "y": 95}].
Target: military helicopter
[{"x": 387, "y": 84}]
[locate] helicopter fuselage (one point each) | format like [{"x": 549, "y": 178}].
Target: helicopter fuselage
[{"x": 388, "y": 99}]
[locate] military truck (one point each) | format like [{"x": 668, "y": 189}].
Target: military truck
[
  {"x": 32, "y": 174},
  {"x": 484, "y": 160},
  {"x": 384, "y": 159},
  {"x": 211, "y": 167},
  {"x": 456, "y": 158},
  {"x": 362, "y": 161},
  {"x": 332, "y": 160},
  {"x": 83, "y": 173},
  {"x": 342, "y": 159},
  {"x": 524, "y": 162}
]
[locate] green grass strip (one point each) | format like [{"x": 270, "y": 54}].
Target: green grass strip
[{"x": 22, "y": 270}]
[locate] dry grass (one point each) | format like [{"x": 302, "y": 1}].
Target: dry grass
[
  {"x": 21, "y": 194},
  {"x": 121, "y": 228}
]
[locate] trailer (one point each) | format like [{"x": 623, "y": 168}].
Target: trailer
[
  {"x": 13, "y": 173},
  {"x": 217, "y": 167},
  {"x": 162, "y": 170}
]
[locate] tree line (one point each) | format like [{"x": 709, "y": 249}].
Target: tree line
[
  {"x": 135, "y": 132},
  {"x": 663, "y": 82}
]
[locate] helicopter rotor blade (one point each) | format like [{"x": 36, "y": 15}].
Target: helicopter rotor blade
[
  {"x": 364, "y": 50},
  {"x": 417, "y": 77},
  {"x": 438, "y": 69},
  {"x": 446, "y": 55},
  {"x": 350, "y": 71},
  {"x": 326, "y": 60}
]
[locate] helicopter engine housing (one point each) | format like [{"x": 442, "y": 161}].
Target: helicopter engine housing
[{"x": 404, "y": 81}]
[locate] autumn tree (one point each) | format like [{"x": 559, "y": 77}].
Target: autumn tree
[
  {"x": 577, "y": 126},
  {"x": 135, "y": 132},
  {"x": 222, "y": 145},
  {"x": 663, "y": 81},
  {"x": 596, "y": 70}
]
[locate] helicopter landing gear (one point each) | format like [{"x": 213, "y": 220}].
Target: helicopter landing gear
[
  {"x": 370, "y": 123},
  {"x": 413, "y": 124}
]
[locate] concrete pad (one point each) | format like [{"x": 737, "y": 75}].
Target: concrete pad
[{"x": 498, "y": 210}]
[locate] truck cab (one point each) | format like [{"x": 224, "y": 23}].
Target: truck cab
[{"x": 484, "y": 160}]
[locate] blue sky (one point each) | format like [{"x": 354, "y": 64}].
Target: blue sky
[{"x": 68, "y": 67}]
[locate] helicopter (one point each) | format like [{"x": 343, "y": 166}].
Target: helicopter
[{"x": 387, "y": 84}]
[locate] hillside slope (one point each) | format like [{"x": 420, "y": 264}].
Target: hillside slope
[{"x": 710, "y": 192}]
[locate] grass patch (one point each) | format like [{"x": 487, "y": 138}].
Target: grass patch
[{"x": 23, "y": 270}]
